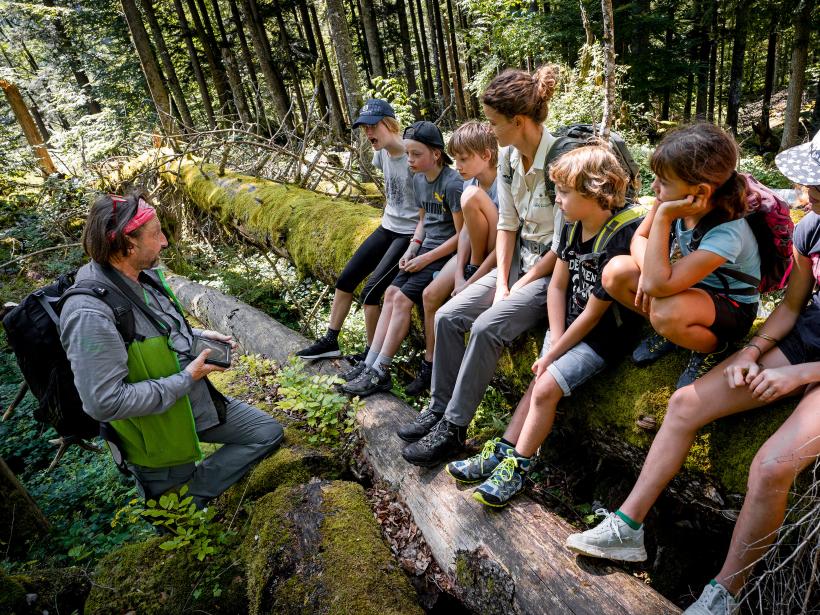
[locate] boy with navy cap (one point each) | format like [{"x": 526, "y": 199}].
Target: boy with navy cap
[{"x": 378, "y": 257}]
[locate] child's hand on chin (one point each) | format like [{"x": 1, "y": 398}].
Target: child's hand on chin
[{"x": 690, "y": 206}]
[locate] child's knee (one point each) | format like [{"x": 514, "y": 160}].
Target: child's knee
[
  {"x": 547, "y": 391},
  {"x": 665, "y": 316},
  {"x": 431, "y": 300},
  {"x": 470, "y": 198},
  {"x": 402, "y": 302},
  {"x": 619, "y": 272}
]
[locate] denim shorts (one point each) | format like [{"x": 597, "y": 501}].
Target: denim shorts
[{"x": 575, "y": 366}]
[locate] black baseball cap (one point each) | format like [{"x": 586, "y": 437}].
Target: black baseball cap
[
  {"x": 429, "y": 134},
  {"x": 374, "y": 111}
]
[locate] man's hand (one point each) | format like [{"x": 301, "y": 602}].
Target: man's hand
[
  {"x": 199, "y": 369},
  {"x": 219, "y": 337}
]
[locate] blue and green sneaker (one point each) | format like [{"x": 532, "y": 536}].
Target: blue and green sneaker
[
  {"x": 480, "y": 466},
  {"x": 507, "y": 481}
]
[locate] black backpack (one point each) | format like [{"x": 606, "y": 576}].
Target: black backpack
[{"x": 33, "y": 332}]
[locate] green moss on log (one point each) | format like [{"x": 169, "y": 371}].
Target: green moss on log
[
  {"x": 142, "y": 578},
  {"x": 316, "y": 548},
  {"x": 12, "y": 594},
  {"x": 62, "y": 589}
]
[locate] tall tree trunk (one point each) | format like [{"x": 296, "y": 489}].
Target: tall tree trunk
[
  {"x": 407, "y": 52},
  {"x": 421, "y": 47},
  {"x": 669, "y": 39},
  {"x": 258, "y": 103},
  {"x": 165, "y": 57},
  {"x": 330, "y": 85},
  {"x": 337, "y": 21},
  {"x": 797, "y": 80},
  {"x": 458, "y": 82},
  {"x": 284, "y": 40},
  {"x": 32, "y": 134},
  {"x": 815, "y": 115},
  {"x": 720, "y": 79},
  {"x": 150, "y": 68},
  {"x": 68, "y": 53},
  {"x": 273, "y": 77},
  {"x": 240, "y": 101},
  {"x": 763, "y": 129},
  {"x": 736, "y": 71},
  {"x": 212, "y": 55},
  {"x": 702, "y": 21},
  {"x": 609, "y": 74},
  {"x": 439, "y": 52},
  {"x": 196, "y": 67},
  {"x": 360, "y": 40},
  {"x": 371, "y": 33},
  {"x": 462, "y": 21},
  {"x": 713, "y": 29}
]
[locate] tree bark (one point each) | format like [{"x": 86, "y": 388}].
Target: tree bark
[
  {"x": 458, "y": 83},
  {"x": 30, "y": 130},
  {"x": 337, "y": 21},
  {"x": 736, "y": 71},
  {"x": 329, "y": 82},
  {"x": 462, "y": 22},
  {"x": 258, "y": 103},
  {"x": 440, "y": 53},
  {"x": 425, "y": 73},
  {"x": 371, "y": 33},
  {"x": 284, "y": 41},
  {"x": 150, "y": 67},
  {"x": 196, "y": 67},
  {"x": 67, "y": 50},
  {"x": 797, "y": 80},
  {"x": 710, "y": 114},
  {"x": 358, "y": 28},
  {"x": 763, "y": 128},
  {"x": 702, "y": 24},
  {"x": 167, "y": 64},
  {"x": 407, "y": 52},
  {"x": 609, "y": 74},
  {"x": 212, "y": 55},
  {"x": 815, "y": 115},
  {"x": 720, "y": 79},
  {"x": 273, "y": 77}
]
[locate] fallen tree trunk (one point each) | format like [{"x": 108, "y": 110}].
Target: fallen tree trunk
[
  {"x": 513, "y": 562},
  {"x": 318, "y": 234}
]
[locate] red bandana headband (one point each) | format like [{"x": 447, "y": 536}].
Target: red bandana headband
[{"x": 144, "y": 213}]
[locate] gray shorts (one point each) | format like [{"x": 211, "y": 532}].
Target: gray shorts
[{"x": 575, "y": 366}]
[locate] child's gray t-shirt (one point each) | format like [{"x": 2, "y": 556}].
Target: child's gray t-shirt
[
  {"x": 492, "y": 192},
  {"x": 439, "y": 198},
  {"x": 401, "y": 213}
]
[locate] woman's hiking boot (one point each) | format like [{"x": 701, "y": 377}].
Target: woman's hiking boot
[
  {"x": 420, "y": 427},
  {"x": 702, "y": 362},
  {"x": 714, "y": 600},
  {"x": 326, "y": 347},
  {"x": 369, "y": 381},
  {"x": 444, "y": 440},
  {"x": 351, "y": 373},
  {"x": 611, "y": 539},
  {"x": 421, "y": 384},
  {"x": 481, "y": 465},
  {"x": 506, "y": 481},
  {"x": 651, "y": 349}
]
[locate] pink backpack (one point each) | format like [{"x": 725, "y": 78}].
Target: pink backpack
[{"x": 770, "y": 219}]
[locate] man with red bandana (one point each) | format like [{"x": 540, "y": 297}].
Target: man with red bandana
[{"x": 152, "y": 395}]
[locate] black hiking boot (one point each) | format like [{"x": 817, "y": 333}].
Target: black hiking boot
[
  {"x": 355, "y": 359},
  {"x": 421, "y": 384},
  {"x": 324, "y": 348},
  {"x": 351, "y": 373},
  {"x": 702, "y": 362},
  {"x": 651, "y": 349},
  {"x": 369, "y": 382},
  {"x": 420, "y": 427},
  {"x": 444, "y": 440}
]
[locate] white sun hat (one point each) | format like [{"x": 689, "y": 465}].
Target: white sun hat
[{"x": 801, "y": 164}]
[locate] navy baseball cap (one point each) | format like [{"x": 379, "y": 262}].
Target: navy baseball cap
[
  {"x": 374, "y": 111},
  {"x": 429, "y": 134}
]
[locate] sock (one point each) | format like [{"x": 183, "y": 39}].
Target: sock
[
  {"x": 371, "y": 357},
  {"x": 713, "y": 582},
  {"x": 507, "y": 442},
  {"x": 426, "y": 362},
  {"x": 332, "y": 334},
  {"x": 628, "y": 520},
  {"x": 382, "y": 364}
]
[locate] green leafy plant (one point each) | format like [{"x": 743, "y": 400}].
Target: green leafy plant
[
  {"x": 328, "y": 414},
  {"x": 188, "y": 526},
  {"x": 394, "y": 91}
]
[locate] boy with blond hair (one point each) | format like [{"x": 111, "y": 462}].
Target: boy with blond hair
[
  {"x": 474, "y": 148},
  {"x": 584, "y": 333}
]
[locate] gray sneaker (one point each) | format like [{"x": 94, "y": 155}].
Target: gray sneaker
[
  {"x": 715, "y": 600},
  {"x": 611, "y": 539},
  {"x": 479, "y": 467}
]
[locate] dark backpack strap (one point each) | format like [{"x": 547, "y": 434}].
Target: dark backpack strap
[
  {"x": 119, "y": 305},
  {"x": 159, "y": 324}
]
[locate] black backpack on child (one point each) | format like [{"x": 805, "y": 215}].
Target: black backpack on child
[{"x": 33, "y": 332}]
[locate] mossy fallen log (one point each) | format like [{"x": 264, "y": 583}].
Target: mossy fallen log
[
  {"x": 63, "y": 590},
  {"x": 316, "y": 548},
  {"x": 510, "y": 563}
]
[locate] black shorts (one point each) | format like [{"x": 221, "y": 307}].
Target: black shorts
[
  {"x": 412, "y": 285},
  {"x": 378, "y": 256},
  {"x": 733, "y": 319},
  {"x": 802, "y": 344}
]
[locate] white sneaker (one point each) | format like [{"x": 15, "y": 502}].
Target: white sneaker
[
  {"x": 715, "y": 600},
  {"x": 610, "y": 539}
]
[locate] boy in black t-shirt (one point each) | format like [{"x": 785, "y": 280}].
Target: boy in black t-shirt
[{"x": 585, "y": 332}]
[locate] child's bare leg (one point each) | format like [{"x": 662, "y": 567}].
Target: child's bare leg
[
  {"x": 433, "y": 298},
  {"x": 544, "y": 399},
  {"x": 685, "y": 319},
  {"x": 520, "y": 416},
  {"x": 383, "y": 323},
  {"x": 790, "y": 450},
  {"x": 340, "y": 308},
  {"x": 620, "y": 279},
  {"x": 481, "y": 219},
  {"x": 690, "y": 408}
]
